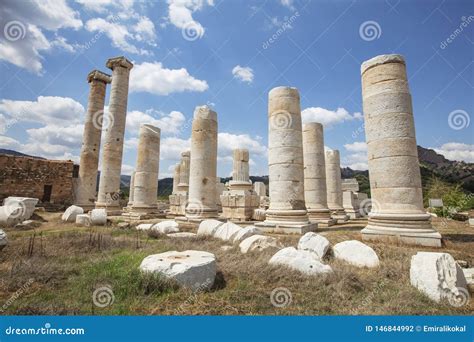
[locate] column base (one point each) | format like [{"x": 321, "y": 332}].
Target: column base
[
  {"x": 287, "y": 221},
  {"x": 410, "y": 229},
  {"x": 268, "y": 227},
  {"x": 202, "y": 215},
  {"x": 112, "y": 210},
  {"x": 352, "y": 213},
  {"x": 322, "y": 217},
  {"x": 339, "y": 214}
]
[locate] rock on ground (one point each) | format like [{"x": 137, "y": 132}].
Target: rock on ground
[
  {"x": 166, "y": 227},
  {"x": 356, "y": 253},
  {"x": 192, "y": 269},
  {"x": 245, "y": 233},
  {"x": 227, "y": 231},
  {"x": 436, "y": 275},
  {"x": 182, "y": 235},
  {"x": 208, "y": 227},
  {"x": 303, "y": 261},
  {"x": 83, "y": 220},
  {"x": 98, "y": 217},
  {"x": 3, "y": 239},
  {"x": 28, "y": 224},
  {"x": 144, "y": 226},
  {"x": 258, "y": 243},
  {"x": 71, "y": 212},
  {"x": 314, "y": 243},
  {"x": 16, "y": 210}
]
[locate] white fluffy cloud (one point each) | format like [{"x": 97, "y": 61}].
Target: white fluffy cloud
[
  {"x": 9, "y": 143},
  {"x": 328, "y": 117},
  {"x": 245, "y": 74},
  {"x": 180, "y": 14},
  {"x": 357, "y": 159},
  {"x": 23, "y": 40},
  {"x": 168, "y": 123},
  {"x": 457, "y": 151},
  {"x": 155, "y": 79},
  {"x": 228, "y": 142},
  {"x": 46, "y": 110}
]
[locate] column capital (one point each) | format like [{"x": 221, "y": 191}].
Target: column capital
[
  {"x": 96, "y": 75},
  {"x": 120, "y": 61},
  {"x": 381, "y": 59}
]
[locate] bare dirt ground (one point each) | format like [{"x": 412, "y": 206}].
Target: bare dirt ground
[{"x": 55, "y": 269}]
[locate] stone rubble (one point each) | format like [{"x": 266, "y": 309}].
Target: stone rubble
[{"x": 356, "y": 253}]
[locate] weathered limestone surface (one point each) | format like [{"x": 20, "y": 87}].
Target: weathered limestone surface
[
  {"x": 315, "y": 243},
  {"x": 98, "y": 217},
  {"x": 83, "y": 220},
  {"x": 71, "y": 212},
  {"x": 202, "y": 201},
  {"x": 208, "y": 227},
  {"x": 245, "y": 233},
  {"x": 179, "y": 197},
  {"x": 260, "y": 188},
  {"x": 88, "y": 165},
  {"x": 145, "y": 186},
  {"x": 112, "y": 152},
  {"x": 240, "y": 201},
  {"x": 333, "y": 185},
  {"x": 300, "y": 260},
  {"x": 227, "y": 231},
  {"x": 192, "y": 269},
  {"x": 394, "y": 170},
  {"x": 356, "y": 253},
  {"x": 258, "y": 243},
  {"x": 350, "y": 184},
  {"x": 166, "y": 227},
  {"x": 3, "y": 239},
  {"x": 350, "y": 203},
  {"x": 287, "y": 211},
  {"x": 315, "y": 174},
  {"x": 437, "y": 275},
  {"x": 16, "y": 210},
  {"x": 220, "y": 189},
  {"x": 130, "y": 192}
]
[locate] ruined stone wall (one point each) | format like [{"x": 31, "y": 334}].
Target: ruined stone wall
[{"x": 30, "y": 177}]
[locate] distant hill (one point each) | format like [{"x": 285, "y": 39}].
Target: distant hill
[{"x": 16, "y": 153}]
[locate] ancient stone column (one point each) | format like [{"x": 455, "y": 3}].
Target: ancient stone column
[
  {"x": 334, "y": 186},
  {"x": 179, "y": 198},
  {"x": 176, "y": 178},
  {"x": 240, "y": 201},
  {"x": 287, "y": 211},
  {"x": 240, "y": 173},
  {"x": 315, "y": 174},
  {"x": 87, "y": 181},
  {"x": 131, "y": 190},
  {"x": 395, "y": 181},
  {"x": 183, "y": 184},
  {"x": 260, "y": 188},
  {"x": 146, "y": 171},
  {"x": 109, "y": 184},
  {"x": 203, "y": 168}
]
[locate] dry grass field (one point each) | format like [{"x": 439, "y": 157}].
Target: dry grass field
[{"x": 55, "y": 269}]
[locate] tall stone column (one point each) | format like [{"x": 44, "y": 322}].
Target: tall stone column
[
  {"x": 202, "y": 201},
  {"x": 240, "y": 173},
  {"x": 179, "y": 198},
  {"x": 287, "y": 211},
  {"x": 87, "y": 182},
  {"x": 109, "y": 184},
  {"x": 395, "y": 181},
  {"x": 146, "y": 171},
  {"x": 131, "y": 191},
  {"x": 240, "y": 201},
  {"x": 334, "y": 186},
  {"x": 183, "y": 184},
  {"x": 176, "y": 174},
  {"x": 315, "y": 174}
]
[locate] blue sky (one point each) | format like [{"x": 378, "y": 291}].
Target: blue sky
[{"x": 229, "y": 54}]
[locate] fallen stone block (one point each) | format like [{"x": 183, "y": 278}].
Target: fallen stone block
[
  {"x": 303, "y": 261},
  {"x": 98, "y": 217},
  {"x": 259, "y": 214},
  {"x": 438, "y": 276},
  {"x": 192, "y": 269},
  {"x": 208, "y": 227},
  {"x": 356, "y": 253},
  {"x": 245, "y": 233},
  {"x": 227, "y": 231},
  {"x": 258, "y": 243},
  {"x": 166, "y": 227},
  {"x": 144, "y": 226},
  {"x": 71, "y": 213},
  {"x": 16, "y": 210},
  {"x": 315, "y": 243},
  {"x": 182, "y": 235},
  {"x": 28, "y": 224},
  {"x": 83, "y": 220},
  {"x": 3, "y": 239}
]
